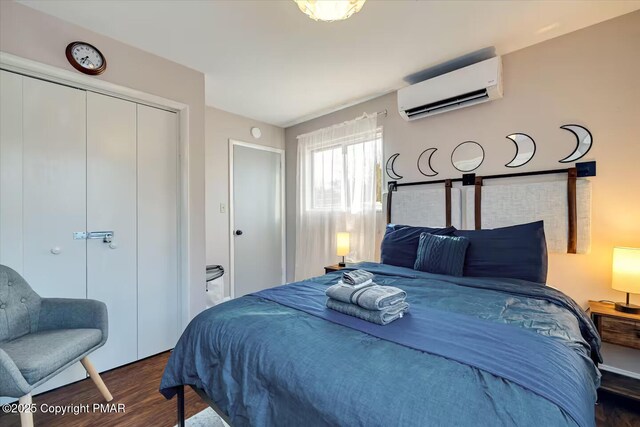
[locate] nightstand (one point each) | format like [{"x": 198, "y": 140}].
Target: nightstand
[
  {"x": 620, "y": 334},
  {"x": 332, "y": 268}
]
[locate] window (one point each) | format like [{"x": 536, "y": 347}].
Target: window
[
  {"x": 339, "y": 190},
  {"x": 341, "y": 175}
]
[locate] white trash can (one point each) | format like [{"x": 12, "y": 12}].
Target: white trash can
[{"x": 215, "y": 286}]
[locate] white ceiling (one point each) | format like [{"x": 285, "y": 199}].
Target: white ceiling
[{"x": 268, "y": 61}]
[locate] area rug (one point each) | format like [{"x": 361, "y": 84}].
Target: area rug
[{"x": 206, "y": 418}]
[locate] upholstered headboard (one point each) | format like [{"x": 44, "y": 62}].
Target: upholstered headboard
[
  {"x": 511, "y": 204},
  {"x": 563, "y": 203},
  {"x": 426, "y": 207}
]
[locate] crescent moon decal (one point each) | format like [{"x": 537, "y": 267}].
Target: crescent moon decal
[
  {"x": 427, "y": 162},
  {"x": 583, "y": 144},
  {"x": 525, "y": 149},
  {"x": 391, "y": 173}
]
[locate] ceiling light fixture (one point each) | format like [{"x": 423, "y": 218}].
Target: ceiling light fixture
[{"x": 329, "y": 10}]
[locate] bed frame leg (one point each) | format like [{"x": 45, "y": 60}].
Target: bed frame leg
[{"x": 181, "y": 406}]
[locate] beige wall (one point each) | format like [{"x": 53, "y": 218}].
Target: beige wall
[
  {"x": 33, "y": 35},
  {"x": 589, "y": 77},
  {"x": 220, "y": 127}
]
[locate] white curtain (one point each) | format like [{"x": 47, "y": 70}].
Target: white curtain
[{"x": 339, "y": 190}]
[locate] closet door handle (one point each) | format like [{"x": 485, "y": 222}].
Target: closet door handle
[
  {"x": 106, "y": 236},
  {"x": 238, "y": 232}
]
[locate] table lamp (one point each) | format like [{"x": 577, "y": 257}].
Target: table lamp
[
  {"x": 342, "y": 243},
  {"x": 626, "y": 276}
]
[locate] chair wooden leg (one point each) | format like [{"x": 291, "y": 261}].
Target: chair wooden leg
[
  {"x": 95, "y": 376},
  {"x": 26, "y": 416}
]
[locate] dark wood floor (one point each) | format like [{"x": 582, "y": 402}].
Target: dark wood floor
[
  {"x": 614, "y": 411},
  {"x": 136, "y": 386}
]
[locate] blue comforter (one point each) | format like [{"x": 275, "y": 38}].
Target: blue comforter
[{"x": 265, "y": 363}]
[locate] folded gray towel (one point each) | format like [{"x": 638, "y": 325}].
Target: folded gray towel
[
  {"x": 373, "y": 297},
  {"x": 381, "y": 317},
  {"x": 356, "y": 277}
]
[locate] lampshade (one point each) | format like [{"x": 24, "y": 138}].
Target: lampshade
[
  {"x": 626, "y": 270},
  {"x": 329, "y": 10},
  {"x": 342, "y": 243}
]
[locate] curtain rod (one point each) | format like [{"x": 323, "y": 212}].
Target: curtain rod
[{"x": 377, "y": 113}]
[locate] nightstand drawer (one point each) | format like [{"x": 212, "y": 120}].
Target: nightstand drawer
[{"x": 620, "y": 331}]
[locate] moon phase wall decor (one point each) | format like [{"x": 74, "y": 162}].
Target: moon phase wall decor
[
  {"x": 391, "y": 173},
  {"x": 467, "y": 156},
  {"x": 583, "y": 145},
  {"x": 426, "y": 162},
  {"x": 525, "y": 149}
]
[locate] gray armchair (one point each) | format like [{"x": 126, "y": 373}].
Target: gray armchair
[{"x": 40, "y": 337}]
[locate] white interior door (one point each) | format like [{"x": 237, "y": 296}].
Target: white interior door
[
  {"x": 158, "y": 296},
  {"x": 11, "y": 170},
  {"x": 111, "y": 206},
  {"x": 49, "y": 171},
  {"x": 10, "y": 174},
  {"x": 258, "y": 223},
  {"x": 54, "y": 188}
]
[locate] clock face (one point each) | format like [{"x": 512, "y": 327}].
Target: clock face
[{"x": 86, "y": 58}]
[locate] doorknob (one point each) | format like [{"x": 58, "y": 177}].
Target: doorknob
[{"x": 238, "y": 232}]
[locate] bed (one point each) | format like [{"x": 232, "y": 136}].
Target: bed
[
  {"x": 490, "y": 345},
  {"x": 472, "y": 351}
]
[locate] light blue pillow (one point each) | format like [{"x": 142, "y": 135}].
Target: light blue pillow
[{"x": 441, "y": 254}]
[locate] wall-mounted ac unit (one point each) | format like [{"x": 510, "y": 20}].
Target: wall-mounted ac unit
[{"x": 463, "y": 87}]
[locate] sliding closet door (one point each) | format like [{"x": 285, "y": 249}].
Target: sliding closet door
[
  {"x": 158, "y": 299},
  {"x": 11, "y": 170},
  {"x": 111, "y": 206},
  {"x": 54, "y": 188}
]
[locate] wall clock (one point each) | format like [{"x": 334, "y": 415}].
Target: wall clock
[{"x": 86, "y": 58}]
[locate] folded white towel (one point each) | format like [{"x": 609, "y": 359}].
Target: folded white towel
[{"x": 359, "y": 286}]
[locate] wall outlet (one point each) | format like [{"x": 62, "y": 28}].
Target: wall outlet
[{"x": 223, "y": 208}]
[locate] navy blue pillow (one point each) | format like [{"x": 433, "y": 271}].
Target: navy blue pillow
[
  {"x": 517, "y": 252},
  {"x": 400, "y": 243},
  {"x": 441, "y": 254}
]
